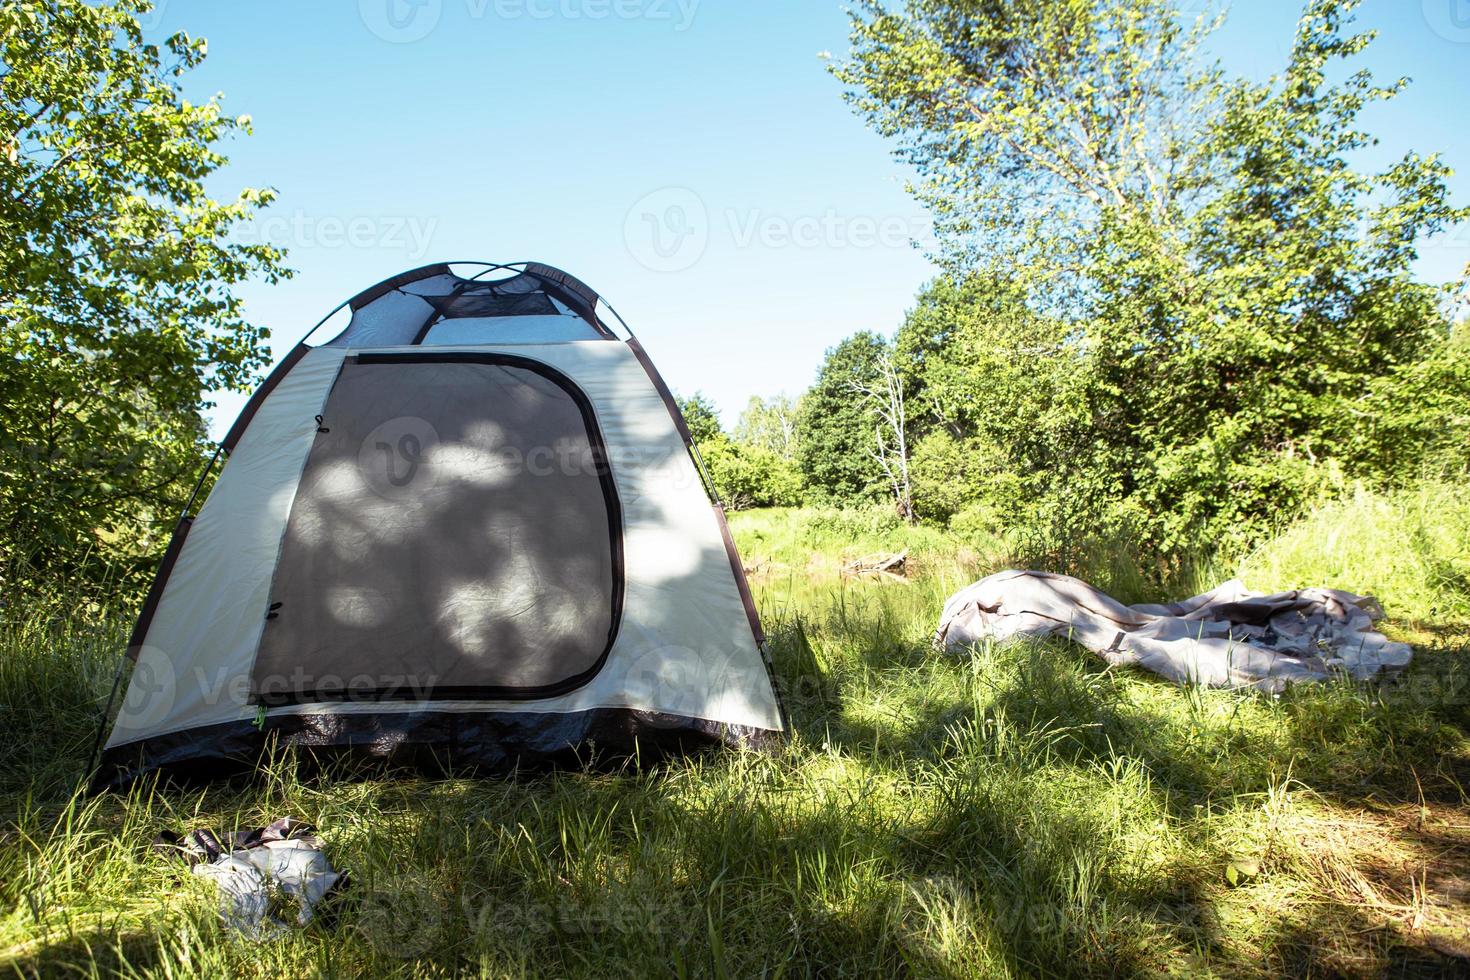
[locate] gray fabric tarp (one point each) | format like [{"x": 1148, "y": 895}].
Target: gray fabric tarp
[{"x": 1228, "y": 637}]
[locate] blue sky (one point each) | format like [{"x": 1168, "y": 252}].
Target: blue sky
[{"x": 690, "y": 159}]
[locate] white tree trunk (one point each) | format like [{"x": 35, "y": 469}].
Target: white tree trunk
[{"x": 890, "y": 433}]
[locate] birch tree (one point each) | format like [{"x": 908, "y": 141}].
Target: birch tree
[{"x": 884, "y": 399}]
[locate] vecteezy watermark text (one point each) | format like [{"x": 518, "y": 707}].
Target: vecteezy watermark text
[
  {"x": 406, "y": 21},
  {"x": 670, "y": 229},
  {"x": 408, "y": 234}
]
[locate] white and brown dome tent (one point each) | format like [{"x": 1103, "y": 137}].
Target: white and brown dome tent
[{"x": 470, "y": 527}]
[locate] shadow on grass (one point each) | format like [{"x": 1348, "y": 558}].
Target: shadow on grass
[
  {"x": 917, "y": 842},
  {"x": 1399, "y": 742},
  {"x": 99, "y": 953}
]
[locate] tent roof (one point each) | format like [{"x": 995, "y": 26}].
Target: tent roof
[{"x": 535, "y": 303}]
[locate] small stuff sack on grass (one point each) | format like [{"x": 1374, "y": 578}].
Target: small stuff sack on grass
[{"x": 268, "y": 878}]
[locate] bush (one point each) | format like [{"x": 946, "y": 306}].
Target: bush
[
  {"x": 976, "y": 520},
  {"x": 853, "y": 522},
  {"x": 952, "y": 476},
  {"x": 748, "y": 476},
  {"x": 945, "y": 473},
  {"x": 1195, "y": 338}
]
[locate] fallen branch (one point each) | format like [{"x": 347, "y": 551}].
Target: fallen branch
[{"x": 891, "y": 565}]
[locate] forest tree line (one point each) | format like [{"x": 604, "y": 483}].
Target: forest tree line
[
  {"x": 1174, "y": 305},
  {"x": 1174, "y": 309}
]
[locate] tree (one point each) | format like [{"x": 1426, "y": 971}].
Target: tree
[
  {"x": 995, "y": 402},
  {"x": 750, "y": 476},
  {"x": 1029, "y": 120},
  {"x": 117, "y": 316},
  {"x": 1238, "y": 358},
  {"x": 769, "y": 423},
  {"x": 834, "y": 428},
  {"x": 1188, "y": 299},
  {"x": 884, "y": 400},
  {"x": 744, "y": 475},
  {"x": 702, "y": 418}
]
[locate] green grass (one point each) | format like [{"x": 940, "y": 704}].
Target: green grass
[
  {"x": 1412, "y": 549},
  {"x": 1019, "y": 812}
]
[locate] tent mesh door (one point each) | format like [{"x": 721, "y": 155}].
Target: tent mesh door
[{"x": 455, "y": 535}]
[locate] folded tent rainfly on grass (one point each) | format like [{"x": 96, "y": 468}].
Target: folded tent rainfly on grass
[
  {"x": 468, "y": 527},
  {"x": 1227, "y": 637}
]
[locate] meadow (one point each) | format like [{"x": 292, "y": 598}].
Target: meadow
[{"x": 1016, "y": 811}]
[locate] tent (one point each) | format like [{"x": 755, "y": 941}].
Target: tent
[{"x": 471, "y": 526}]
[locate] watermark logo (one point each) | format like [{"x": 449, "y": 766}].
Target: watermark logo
[
  {"x": 677, "y": 13},
  {"x": 406, "y": 21},
  {"x": 828, "y": 230},
  {"x": 1454, "y": 240},
  {"x": 668, "y": 679},
  {"x": 1450, "y": 19},
  {"x": 676, "y": 681},
  {"x": 668, "y": 230},
  {"x": 400, "y": 21},
  {"x": 621, "y": 911},
  {"x": 410, "y": 235},
  {"x": 394, "y": 458},
  {"x": 152, "y": 689},
  {"x": 402, "y": 916},
  {"x": 151, "y": 18}
]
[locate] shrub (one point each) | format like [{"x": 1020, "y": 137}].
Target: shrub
[{"x": 750, "y": 476}]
